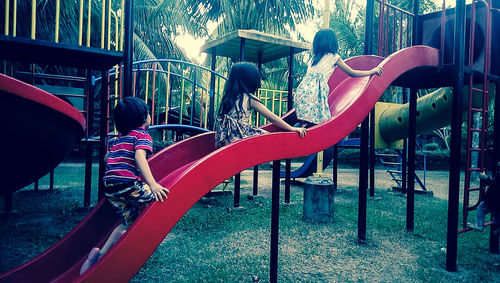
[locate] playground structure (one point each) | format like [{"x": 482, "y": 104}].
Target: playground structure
[
  {"x": 59, "y": 126},
  {"x": 351, "y": 100}
]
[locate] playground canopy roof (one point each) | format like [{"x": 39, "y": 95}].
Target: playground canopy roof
[{"x": 270, "y": 46}]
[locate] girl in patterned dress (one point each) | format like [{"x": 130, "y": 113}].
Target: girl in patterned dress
[
  {"x": 311, "y": 96},
  {"x": 237, "y": 103}
]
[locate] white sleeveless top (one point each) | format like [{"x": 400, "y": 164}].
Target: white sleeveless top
[{"x": 325, "y": 66}]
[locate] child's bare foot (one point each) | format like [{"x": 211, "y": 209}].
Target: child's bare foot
[
  {"x": 474, "y": 227},
  {"x": 94, "y": 255}
]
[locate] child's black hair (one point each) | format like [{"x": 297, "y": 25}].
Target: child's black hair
[
  {"x": 325, "y": 41},
  {"x": 244, "y": 77},
  {"x": 130, "y": 113}
]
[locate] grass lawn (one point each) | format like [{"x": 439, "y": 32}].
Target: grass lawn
[{"x": 216, "y": 243}]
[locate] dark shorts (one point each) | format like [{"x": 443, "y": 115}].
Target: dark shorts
[{"x": 128, "y": 198}]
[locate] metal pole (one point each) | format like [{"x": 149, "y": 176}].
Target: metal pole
[
  {"x": 335, "y": 167},
  {"x": 412, "y": 136},
  {"x": 211, "y": 112},
  {"x": 290, "y": 80},
  {"x": 193, "y": 100},
  {"x": 369, "y": 26},
  {"x": 255, "y": 190},
  {"x": 288, "y": 162},
  {"x": 368, "y": 50},
  {"x": 88, "y": 145},
  {"x": 275, "y": 214},
  {"x": 494, "y": 239},
  {"x": 137, "y": 87},
  {"x": 128, "y": 49},
  {"x": 404, "y": 155},
  {"x": 237, "y": 177},
  {"x": 256, "y": 167},
  {"x": 103, "y": 128},
  {"x": 237, "y": 182},
  {"x": 372, "y": 152},
  {"x": 363, "y": 179},
  {"x": 456, "y": 134},
  {"x": 363, "y": 147}
]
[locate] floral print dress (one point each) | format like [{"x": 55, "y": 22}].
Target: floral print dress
[
  {"x": 235, "y": 125},
  {"x": 311, "y": 96}
]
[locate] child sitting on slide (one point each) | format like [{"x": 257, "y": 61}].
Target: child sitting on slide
[
  {"x": 311, "y": 96},
  {"x": 126, "y": 169},
  {"x": 237, "y": 103}
]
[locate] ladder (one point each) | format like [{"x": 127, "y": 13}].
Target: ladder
[
  {"x": 477, "y": 119},
  {"x": 392, "y": 163}
]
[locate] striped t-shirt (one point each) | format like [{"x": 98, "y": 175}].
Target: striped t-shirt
[{"x": 121, "y": 165}]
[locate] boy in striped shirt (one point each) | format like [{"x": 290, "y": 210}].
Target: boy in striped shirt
[{"x": 129, "y": 184}]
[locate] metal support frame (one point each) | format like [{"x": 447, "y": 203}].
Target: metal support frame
[
  {"x": 412, "y": 139},
  {"x": 211, "y": 111},
  {"x": 32, "y": 79},
  {"x": 237, "y": 177},
  {"x": 335, "y": 167},
  {"x": 275, "y": 214},
  {"x": 456, "y": 133},
  {"x": 404, "y": 153},
  {"x": 193, "y": 101},
  {"x": 363, "y": 180},
  {"x": 494, "y": 239},
  {"x": 372, "y": 153},
  {"x": 255, "y": 190},
  {"x": 363, "y": 147},
  {"x": 237, "y": 186},
  {"x": 103, "y": 128},
  {"x": 288, "y": 162},
  {"x": 128, "y": 48},
  {"x": 87, "y": 194}
]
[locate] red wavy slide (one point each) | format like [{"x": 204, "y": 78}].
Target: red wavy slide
[
  {"x": 193, "y": 167},
  {"x": 39, "y": 131}
]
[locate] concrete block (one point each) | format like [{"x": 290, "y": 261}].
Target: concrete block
[{"x": 318, "y": 199}]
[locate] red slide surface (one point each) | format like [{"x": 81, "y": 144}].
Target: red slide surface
[
  {"x": 191, "y": 168},
  {"x": 40, "y": 130}
]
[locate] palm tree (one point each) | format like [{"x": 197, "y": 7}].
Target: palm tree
[
  {"x": 278, "y": 17},
  {"x": 157, "y": 22},
  {"x": 348, "y": 22}
]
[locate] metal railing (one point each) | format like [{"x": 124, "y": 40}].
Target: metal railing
[
  {"x": 394, "y": 28},
  {"x": 178, "y": 92},
  {"x": 110, "y": 14}
]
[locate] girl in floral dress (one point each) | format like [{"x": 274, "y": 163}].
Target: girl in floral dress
[
  {"x": 237, "y": 103},
  {"x": 311, "y": 96}
]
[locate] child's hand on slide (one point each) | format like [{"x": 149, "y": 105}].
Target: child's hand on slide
[
  {"x": 159, "y": 192},
  {"x": 377, "y": 70},
  {"x": 302, "y": 131}
]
